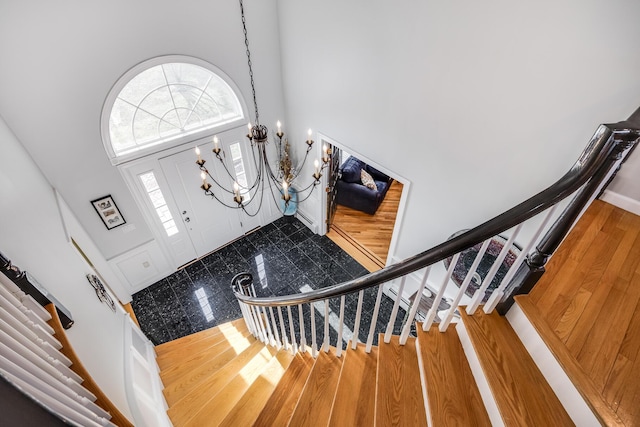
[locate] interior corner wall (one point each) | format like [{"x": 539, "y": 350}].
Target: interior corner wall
[
  {"x": 479, "y": 104},
  {"x": 33, "y": 238}
]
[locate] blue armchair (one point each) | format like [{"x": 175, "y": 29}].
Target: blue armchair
[{"x": 352, "y": 193}]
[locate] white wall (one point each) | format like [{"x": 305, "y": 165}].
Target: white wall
[
  {"x": 33, "y": 238},
  {"x": 479, "y": 104},
  {"x": 61, "y": 59}
]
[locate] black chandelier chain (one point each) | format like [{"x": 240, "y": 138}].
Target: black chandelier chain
[{"x": 246, "y": 43}]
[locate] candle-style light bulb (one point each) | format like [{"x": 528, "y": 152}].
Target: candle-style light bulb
[
  {"x": 198, "y": 154},
  {"x": 204, "y": 177},
  {"x": 316, "y": 163},
  {"x": 215, "y": 141},
  {"x": 236, "y": 189},
  {"x": 285, "y": 190},
  {"x": 309, "y": 133},
  {"x": 279, "y": 126}
]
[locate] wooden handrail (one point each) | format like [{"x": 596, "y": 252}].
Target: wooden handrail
[{"x": 602, "y": 152}]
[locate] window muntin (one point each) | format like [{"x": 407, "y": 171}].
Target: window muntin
[{"x": 166, "y": 102}]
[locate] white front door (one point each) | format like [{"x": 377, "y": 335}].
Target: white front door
[{"x": 209, "y": 223}]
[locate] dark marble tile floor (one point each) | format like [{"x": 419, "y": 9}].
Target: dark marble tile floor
[{"x": 284, "y": 258}]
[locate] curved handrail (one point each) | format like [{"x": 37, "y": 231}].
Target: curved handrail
[{"x": 604, "y": 148}]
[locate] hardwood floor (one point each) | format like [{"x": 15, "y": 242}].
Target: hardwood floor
[
  {"x": 367, "y": 237},
  {"x": 589, "y": 297}
]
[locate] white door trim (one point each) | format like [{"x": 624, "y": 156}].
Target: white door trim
[{"x": 406, "y": 186}]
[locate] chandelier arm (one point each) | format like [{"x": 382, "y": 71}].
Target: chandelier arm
[
  {"x": 273, "y": 177},
  {"x": 275, "y": 201},
  {"x": 312, "y": 186},
  {"x": 258, "y": 175},
  {"x": 210, "y": 193},
  {"x": 252, "y": 199},
  {"x": 205, "y": 170},
  {"x": 226, "y": 168},
  {"x": 301, "y": 167},
  {"x": 259, "y": 169},
  {"x": 253, "y": 155}
]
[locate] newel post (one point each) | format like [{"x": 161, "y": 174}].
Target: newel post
[{"x": 534, "y": 267}]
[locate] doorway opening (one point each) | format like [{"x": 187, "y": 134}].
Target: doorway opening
[{"x": 362, "y": 220}]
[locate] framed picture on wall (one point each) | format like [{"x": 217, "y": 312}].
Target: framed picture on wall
[{"x": 108, "y": 212}]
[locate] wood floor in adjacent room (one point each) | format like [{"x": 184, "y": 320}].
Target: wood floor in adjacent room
[
  {"x": 367, "y": 237},
  {"x": 589, "y": 298}
]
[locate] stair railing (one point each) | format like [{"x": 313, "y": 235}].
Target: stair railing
[{"x": 594, "y": 169}]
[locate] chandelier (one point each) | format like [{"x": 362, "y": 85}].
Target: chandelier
[{"x": 278, "y": 181}]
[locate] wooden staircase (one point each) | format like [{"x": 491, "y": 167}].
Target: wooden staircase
[{"x": 224, "y": 376}]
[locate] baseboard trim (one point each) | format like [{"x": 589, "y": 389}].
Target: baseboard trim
[
  {"x": 521, "y": 317},
  {"x": 623, "y": 202}
]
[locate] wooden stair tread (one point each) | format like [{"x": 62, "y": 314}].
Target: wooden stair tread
[
  {"x": 189, "y": 405},
  {"x": 521, "y": 392},
  {"x": 177, "y": 371},
  {"x": 314, "y": 405},
  {"x": 355, "y": 399},
  {"x": 222, "y": 402},
  {"x": 452, "y": 393},
  {"x": 248, "y": 408},
  {"x": 167, "y": 347},
  {"x": 280, "y": 406},
  {"x": 399, "y": 399},
  {"x": 180, "y": 356},
  {"x": 585, "y": 386},
  {"x": 182, "y": 381}
]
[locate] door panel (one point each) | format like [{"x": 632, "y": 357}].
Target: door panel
[{"x": 209, "y": 223}]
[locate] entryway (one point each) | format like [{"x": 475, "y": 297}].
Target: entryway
[
  {"x": 366, "y": 237},
  {"x": 187, "y": 223}
]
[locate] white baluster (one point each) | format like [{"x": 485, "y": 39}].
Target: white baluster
[
  {"x": 283, "y": 334},
  {"x": 294, "y": 346},
  {"x": 479, "y": 295},
  {"x": 374, "y": 320},
  {"x": 326, "y": 342},
  {"x": 340, "y": 328},
  {"x": 256, "y": 315},
  {"x": 245, "y": 316},
  {"x": 274, "y": 327},
  {"x": 303, "y": 338},
  {"x": 463, "y": 287},
  {"x": 433, "y": 311},
  {"x": 272, "y": 340},
  {"x": 314, "y": 347},
  {"x": 356, "y": 324},
  {"x": 414, "y": 308},
  {"x": 394, "y": 312},
  {"x": 498, "y": 293}
]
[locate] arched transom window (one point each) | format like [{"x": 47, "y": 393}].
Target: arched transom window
[{"x": 165, "y": 102}]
